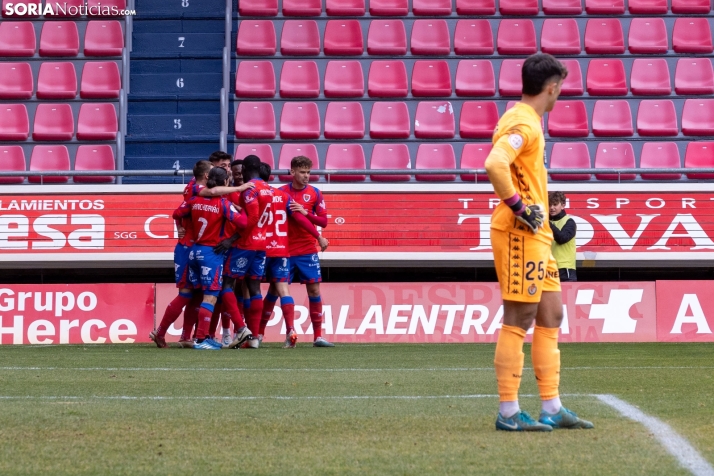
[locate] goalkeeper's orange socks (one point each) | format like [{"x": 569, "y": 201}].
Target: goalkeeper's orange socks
[
  {"x": 509, "y": 367},
  {"x": 546, "y": 365}
]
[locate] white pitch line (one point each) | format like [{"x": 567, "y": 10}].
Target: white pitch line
[
  {"x": 267, "y": 397},
  {"x": 247, "y": 369},
  {"x": 676, "y": 445}
]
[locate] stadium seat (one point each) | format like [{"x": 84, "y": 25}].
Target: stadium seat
[
  {"x": 288, "y": 151},
  {"x": 570, "y": 155},
  {"x": 387, "y": 79},
  {"x": 612, "y": 119},
  {"x": 698, "y": 117},
  {"x": 390, "y": 156},
  {"x": 255, "y": 120},
  {"x": 100, "y": 80},
  {"x": 255, "y": 79},
  {"x": 389, "y": 120},
  {"x": 103, "y": 38},
  {"x": 300, "y": 38},
  {"x": 97, "y": 121},
  {"x": 603, "y": 36},
  {"x": 434, "y": 120},
  {"x": 344, "y": 120},
  {"x": 431, "y": 7},
  {"x": 573, "y": 84},
  {"x": 258, "y": 8},
  {"x": 59, "y": 38},
  {"x": 430, "y": 37},
  {"x": 562, "y": 7},
  {"x": 475, "y": 78},
  {"x": 27, "y": 3},
  {"x": 431, "y": 78},
  {"x": 300, "y": 120},
  {"x": 345, "y": 157},
  {"x": 657, "y": 118},
  {"x": 302, "y": 8},
  {"x": 53, "y": 122},
  {"x": 615, "y": 155},
  {"x": 343, "y": 37},
  {"x": 351, "y": 8},
  {"x": 299, "y": 79},
  {"x": 263, "y": 151},
  {"x": 692, "y": 35},
  {"x": 386, "y": 8},
  {"x": 16, "y": 81},
  {"x": 648, "y": 36},
  {"x": 647, "y": 7},
  {"x": 509, "y": 78},
  {"x": 94, "y": 157},
  {"x": 560, "y": 36},
  {"x": 473, "y": 37},
  {"x": 694, "y": 76},
  {"x": 256, "y": 38},
  {"x": 691, "y": 6},
  {"x": 473, "y": 156},
  {"x": 435, "y": 156},
  {"x": 516, "y": 37},
  {"x": 49, "y": 157},
  {"x": 604, "y": 7},
  {"x": 606, "y": 77},
  {"x": 699, "y": 155},
  {"x": 344, "y": 79},
  {"x": 57, "y": 81},
  {"x": 14, "y": 122},
  {"x": 660, "y": 155},
  {"x": 478, "y": 119},
  {"x": 387, "y": 37},
  {"x": 650, "y": 77},
  {"x": 518, "y": 7},
  {"x": 106, "y": 6},
  {"x": 475, "y": 7},
  {"x": 568, "y": 119},
  {"x": 12, "y": 159},
  {"x": 17, "y": 38}
]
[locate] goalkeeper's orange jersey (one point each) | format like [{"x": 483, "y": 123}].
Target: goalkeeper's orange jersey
[{"x": 518, "y": 138}]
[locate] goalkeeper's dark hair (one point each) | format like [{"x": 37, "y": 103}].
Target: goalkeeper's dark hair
[
  {"x": 555, "y": 198},
  {"x": 201, "y": 168},
  {"x": 217, "y": 177},
  {"x": 265, "y": 171},
  {"x": 219, "y": 155},
  {"x": 540, "y": 70}
]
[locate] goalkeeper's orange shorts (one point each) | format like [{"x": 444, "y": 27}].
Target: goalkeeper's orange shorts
[{"x": 525, "y": 266}]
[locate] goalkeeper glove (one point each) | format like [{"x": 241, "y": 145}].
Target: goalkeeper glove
[{"x": 530, "y": 215}]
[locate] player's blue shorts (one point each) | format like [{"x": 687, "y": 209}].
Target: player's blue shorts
[
  {"x": 181, "y": 253},
  {"x": 245, "y": 263},
  {"x": 305, "y": 268},
  {"x": 277, "y": 270},
  {"x": 205, "y": 268}
]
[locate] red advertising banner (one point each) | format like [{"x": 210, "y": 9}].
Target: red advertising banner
[
  {"x": 685, "y": 311},
  {"x": 76, "y": 313}
]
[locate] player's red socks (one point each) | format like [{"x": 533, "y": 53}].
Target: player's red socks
[
  {"x": 316, "y": 316},
  {"x": 190, "y": 315},
  {"x": 173, "y": 311},
  {"x": 204, "y": 320},
  {"x": 254, "y": 313},
  {"x": 215, "y": 317},
  {"x": 287, "y": 304},
  {"x": 268, "y": 306},
  {"x": 231, "y": 310}
]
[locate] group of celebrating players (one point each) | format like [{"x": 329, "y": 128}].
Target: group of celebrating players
[{"x": 235, "y": 232}]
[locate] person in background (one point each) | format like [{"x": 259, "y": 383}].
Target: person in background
[{"x": 564, "y": 229}]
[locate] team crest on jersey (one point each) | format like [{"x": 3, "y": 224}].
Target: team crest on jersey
[
  {"x": 532, "y": 289},
  {"x": 249, "y": 198},
  {"x": 306, "y": 197},
  {"x": 205, "y": 270},
  {"x": 516, "y": 141},
  {"x": 242, "y": 263}
]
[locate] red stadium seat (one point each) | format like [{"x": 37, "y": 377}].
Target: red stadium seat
[
  {"x": 255, "y": 79},
  {"x": 255, "y": 120},
  {"x": 387, "y": 79},
  {"x": 648, "y": 36},
  {"x": 258, "y": 8},
  {"x": 100, "y": 80},
  {"x": 473, "y": 156},
  {"x": 606, "y": 77},
  {"x": 516, "y": 37},
  {"x": 351, "y": 8},
  {"x": 699, "y": 155},
  {"x": 692, "y": 35},
  {"x": 518, "y": 7},
  {"x": 650, "y": 77},
  {"x": 344, "y": 120},
  {"x": 17, "y": 38},
  {"x": 105, "y": 7},
  {"x": 478, "y": 119},
  {"x": 431, "y": 79},
  {"x": 562, "y": 7},
  {"x": 288, "y": 151},
  {"x": 435, "y": 156},
  {"x": 46, "y": 158},
  {"x": 302, "y": 8},
  {"x": 12, "y": 159},
  {"x": 657, "y": 118},
  {"x": 612, "y": 119},
  {"x": 431, "y": 7},
  {"x": 94, "y": 157},
  {"x": 604, "y": 7},
  {"x": 615, "y": 155},
  {"x": 573, "y": 84},
  {"x": 434, "y": 120},
  {"x": 59, "y": 38},
  {"x": 53, "y": 122},
  {"x": 430, "y": 37},
  {"x": 389, "y": 120},
  {"x": 475, "y": 78},
  {"x": 387, "y": 37},
  {"x": 560, "y": 36},
  {"x": 14, "y": 122},
  {"x": 256, "y": 38},
  {"x": 300, "y": 120},
  {"x": 473, "y": 37},
  {"x": 691, "y": 6},
  {"x": 509, "y": 78},
  {"x": 694, "y": 76},
  {"x": 390, "y": 156},
  {"x": 475, "y": 7},
  {"x": 57, "y": 81},
  {"x": 568, "y": 119},
  {"x": 648, "y": 7},
  {"x": 97, "y": 121},
  {"x": 603, "y": 36},
  {"x": 570, "y": 155},
  {"x": 263, "y": 151},
  {"x": 343, "y": 37},
  {"x": 345, "y": 157},
  {"x": 698, "y": 117},
  {"x": 344, "y": 79},
  {"x": 660, "y": 155},
  {"x": 103, "y": 38},
  {"x": 393, "y": 8},
  {"x": 300, "y": 38},
  {"x": 299, "y": 79},
  {"x": 16, "y": 81}
]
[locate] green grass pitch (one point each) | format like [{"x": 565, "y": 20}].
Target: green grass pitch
[{"x": 276, "y": 411}]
